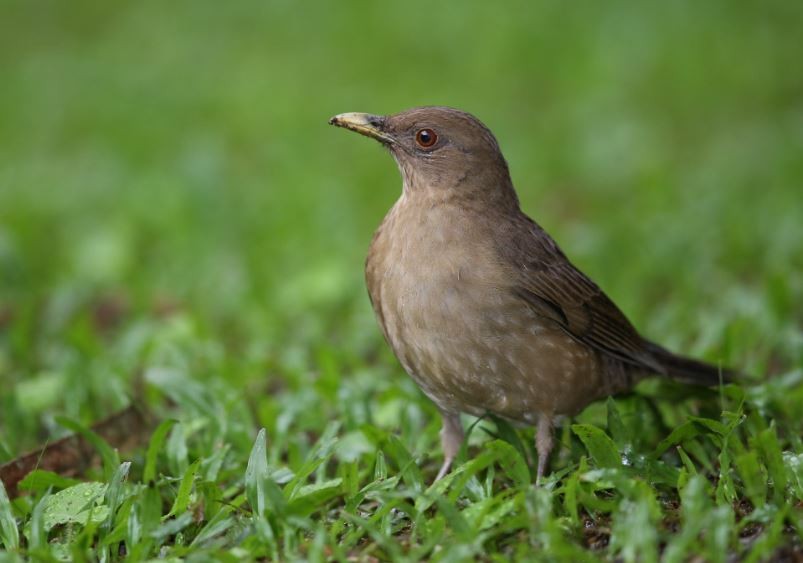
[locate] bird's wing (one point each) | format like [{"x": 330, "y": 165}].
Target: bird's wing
[{"x": 554, "y": 288}]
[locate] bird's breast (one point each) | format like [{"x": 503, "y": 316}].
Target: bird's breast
[
  {"x": 444, "y": 302},
  {"x": 435, "y": 270}
]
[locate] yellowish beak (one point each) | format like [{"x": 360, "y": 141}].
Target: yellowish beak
[{"x": 364, "y": 124}]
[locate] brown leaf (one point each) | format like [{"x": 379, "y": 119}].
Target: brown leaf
[{"x": 72, "y": 455}]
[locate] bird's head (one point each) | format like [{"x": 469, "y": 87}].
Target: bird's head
[{"x": 441, "y": 152}]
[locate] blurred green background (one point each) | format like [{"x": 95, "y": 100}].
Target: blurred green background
[{"x": 168, "y": 177}]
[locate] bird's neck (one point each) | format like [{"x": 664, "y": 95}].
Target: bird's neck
[{"x": 480, "y": 189}]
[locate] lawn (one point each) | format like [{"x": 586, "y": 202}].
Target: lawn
[{"x": 182, "y": 239}]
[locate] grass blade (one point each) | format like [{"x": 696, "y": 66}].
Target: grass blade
[
  {"x": 9, "y": 533},
  {"x": 154, "y": 447}
]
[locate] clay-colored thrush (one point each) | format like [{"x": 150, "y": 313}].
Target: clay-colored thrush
[{"x": 479, "y": 304}]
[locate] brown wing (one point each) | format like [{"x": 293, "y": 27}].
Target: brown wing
[{"x": 554, "y": 288}]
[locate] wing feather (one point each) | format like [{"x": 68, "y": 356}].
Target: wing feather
[{"x": 554, "y": 288}]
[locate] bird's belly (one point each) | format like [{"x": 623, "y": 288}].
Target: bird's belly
[{"x": 476, "y": 348}]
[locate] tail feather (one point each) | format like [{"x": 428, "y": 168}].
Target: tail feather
[{"x": 689, "y": 370}]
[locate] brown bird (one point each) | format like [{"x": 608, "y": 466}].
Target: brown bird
[{"x": 478, "y": 303}]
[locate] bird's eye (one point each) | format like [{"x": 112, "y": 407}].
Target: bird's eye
[{"x": 426, "y": 138}]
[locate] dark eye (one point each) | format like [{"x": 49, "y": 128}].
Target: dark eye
[{"x": 426, "y": 138}]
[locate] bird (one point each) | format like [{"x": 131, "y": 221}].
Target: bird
[{"x": 479, "y": 304}]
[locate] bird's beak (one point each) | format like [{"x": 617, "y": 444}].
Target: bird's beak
[{"x": 364, "y": 124}]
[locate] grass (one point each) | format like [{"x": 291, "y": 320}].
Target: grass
[{"x": 180, "y": 229}]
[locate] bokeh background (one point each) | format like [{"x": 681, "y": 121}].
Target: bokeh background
[{"x": 171, "y": 193}]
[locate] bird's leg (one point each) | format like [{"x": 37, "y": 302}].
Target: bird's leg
[
  {"x": 543, "y": 444},
  {"x": 451, "y": 439}
]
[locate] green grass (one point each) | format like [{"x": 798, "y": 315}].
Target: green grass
[{"x": 179, "y": 227}]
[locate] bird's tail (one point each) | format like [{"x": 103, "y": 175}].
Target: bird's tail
[{"x": 689, "y": 370}]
